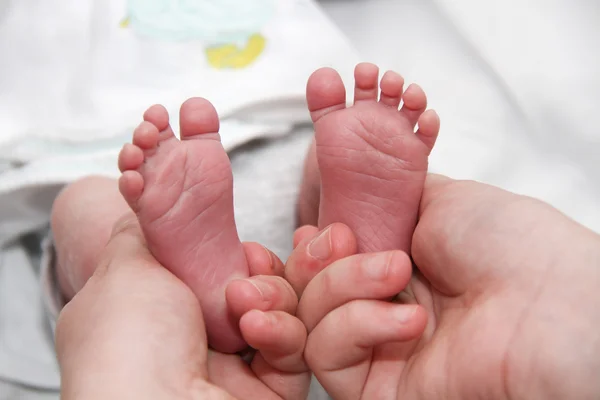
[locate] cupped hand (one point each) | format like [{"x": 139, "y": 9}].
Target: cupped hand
[
  {"x": 136, "y": 331},
  {"x": 502, "y": 305}
]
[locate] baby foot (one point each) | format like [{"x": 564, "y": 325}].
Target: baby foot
[
  {"x": 182, "y": 193},
  {"x": 372, "y": 163}
]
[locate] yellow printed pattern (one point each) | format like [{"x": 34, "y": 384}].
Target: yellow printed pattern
[{"x": 231, "y": 56}]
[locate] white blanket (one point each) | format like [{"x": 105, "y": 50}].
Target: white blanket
[
  {"x": 516, "y": 84},
  {"x": 75, "y": 78},
  {"x": 77, "y": 75}
]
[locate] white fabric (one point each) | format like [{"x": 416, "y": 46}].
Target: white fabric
[
  {"x": 75, "y": 82},
  {"x": 26, "y": 348},
  {"x": 544, "y": 56},
  {"x": 516, "y": 85},
  {"x": 75, "y": 78}
]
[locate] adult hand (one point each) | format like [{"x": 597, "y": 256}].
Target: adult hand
[
  {"x": 136, "y": 331},
  {"x": 506, "y": 294}
]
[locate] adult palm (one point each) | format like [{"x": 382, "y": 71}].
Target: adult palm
[{"x": 510, "y": 291}]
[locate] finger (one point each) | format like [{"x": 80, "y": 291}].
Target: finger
[
  {"x": 340, "y": 348},
  {"x": 346, "y": 335},
  {"x": 364, "y": 276},
  {"x": 279, "y": 336},
  {"x": 234, "y": 375},
  {"x": 434, "y": 184},
  {"x": 303, "y": 233},
  {"x": 280, "y": 339},
  {"x": 262, "y": 261},
  {"x": 264, "y": 293},
  {"x": 231, "y": 373},
  {"x": 311, "y": 256}
]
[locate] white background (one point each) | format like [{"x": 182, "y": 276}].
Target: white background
[{"x": 516, "y": 83}]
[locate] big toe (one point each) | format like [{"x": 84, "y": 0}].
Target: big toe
[
  {"x": 325, "y": 93},
  {"x": 197, "y": 116}
]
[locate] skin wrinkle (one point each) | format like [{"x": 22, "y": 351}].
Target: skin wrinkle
[
  {"x": 396, "y": 184},
  {"x": 163, "y": 179},
  {"x": 173, "y": 186},
  {"x": 368, "y": 222},
  {"x": 366, "y": 174},
  {"x": 200, "y": 249},
  {"x": 175, "y": 159},
  {"x": 521, "y": 320},
  {"x": 175, "y": 208},
  {"x": 550, "y": 269},
  {"x": 370, "y": 363},
  {"x": 389, "y": 223},
  {"x": 372, "y": 200},
  {"x": 392, "y": 159},
  {"x": 386, "y": 148},
  {"x": 207, "y": 239},
  {"x": 345, "y": 319}
]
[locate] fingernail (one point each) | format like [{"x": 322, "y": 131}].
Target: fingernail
[
  {"x": 403, "y": 313},
  {"x": 320, "y": 247},
  {"x": 270, "y": 256},
  {"x": 263, "y": 288},
  {"x": 261, "y": 317},
  {"x": 376, "y": 266}
]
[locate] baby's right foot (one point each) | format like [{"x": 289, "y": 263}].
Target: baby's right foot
[
  {"x": 182, "y": 193},
  {"x": 372, "y": 163}
]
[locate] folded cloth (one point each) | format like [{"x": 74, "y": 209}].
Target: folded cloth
[
  {"x": 26, "y": 347},
  {"x": 76, "y": 76},
  {"x": 81, "y": 71}
]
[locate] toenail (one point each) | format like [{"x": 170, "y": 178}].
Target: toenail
[
  {"x": 376, "y": 266},
  {"x": 320, "y": 247}
]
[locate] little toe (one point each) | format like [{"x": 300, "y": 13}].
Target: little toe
[
  {"x": 131, "y": 186},
  {"x": 391, "y": 89},
  {"x": 366, "y": 77},
  {"x": 415, "y": 102},
  {"x": 197, "y": 116},
  {"x": 325, "y": 93},
  {"x": 130, "y": 157},
  {"x": 429, "y": 127},
  {"x": 158, "y": 116}
]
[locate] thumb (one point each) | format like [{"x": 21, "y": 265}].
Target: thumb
[
  {"x": 434, "y": 183},
  {"x": 133, "y": 331}
]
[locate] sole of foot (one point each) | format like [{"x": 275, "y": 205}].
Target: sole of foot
[
  {"x": 372, "y": 162},
  {"x": 182, "y": 193}
]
